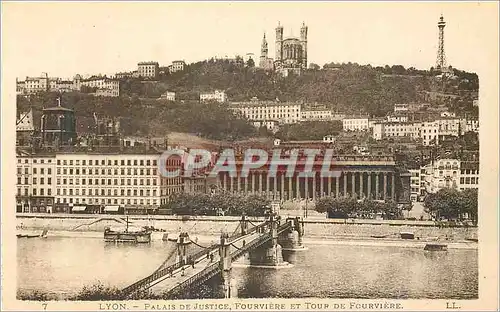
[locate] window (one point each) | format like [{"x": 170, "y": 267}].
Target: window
[
  {"x": 34, "y": 170},
  {"x": 49, "y": 170},
  {"x": 34, "y": 180},
  {"x": 42, "y": 171},
  {"x": 34, "y": 192},
  {"x": 42, "y": 181}
]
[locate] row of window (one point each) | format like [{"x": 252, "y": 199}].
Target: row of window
[
  {"x": 70, "y": 181},
  {"x": 103, "y": 192},
  {"x": 469, "y": 180},
  {"x": 42, "y": 181},
  {"x": 95, "y": 162},
  {"x": 90, "y": 171},
  {"x": 104, "y": 201}
]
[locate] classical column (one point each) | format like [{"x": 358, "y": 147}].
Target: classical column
[
  {"x": 330, "y": 186},
  {"x": 393, "y": 189},
  {"x": 345, "y": 183},
  {"x": 353, "y": 186},
  {"x": 321, "y": 181},
  {"x": 306, "y": 187},
  {"x": 361, "y": 191},
  {"x": 252, "y": 185},
  {"x": 290, "y": 189},
  {"x": 376, "y": 184},
  {"x": 314, "y": 186},
  {"x": 232, "y": 183},
  {"x": 297, "y": 189},
  {"x": 262, "y": 179},
  {"x": 267, "y": 184},
  {"x": 385, "y": 185},
  {"x": 369, "y": 193},
  {"x": 337, "y": 187},
  {"x": 282, "y": 186},
  {"x": 275, "y": 186}
]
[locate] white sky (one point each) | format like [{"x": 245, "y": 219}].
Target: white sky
[{"x": 63, "y": 39}]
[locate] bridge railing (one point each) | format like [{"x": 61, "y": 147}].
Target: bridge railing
[
  {"x": 167, "y": 270},
  {"x": 199, "y": 278}
]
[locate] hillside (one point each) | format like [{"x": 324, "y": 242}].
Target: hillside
[
  {"x": 349, "y": 88},
  {"x": 346, "y": 87}
]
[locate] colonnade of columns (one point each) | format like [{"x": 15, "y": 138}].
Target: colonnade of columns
[{"x": 378, "y": 185}]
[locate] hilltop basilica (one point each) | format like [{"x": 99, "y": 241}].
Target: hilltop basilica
[{"x": 290, "y": 53}]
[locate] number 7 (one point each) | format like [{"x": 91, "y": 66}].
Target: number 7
[{"x": 44, "y": 306}]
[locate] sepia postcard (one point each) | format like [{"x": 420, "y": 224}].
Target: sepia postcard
[{"x": 249, "y": 156}]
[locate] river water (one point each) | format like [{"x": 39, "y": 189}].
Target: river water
[{"x": 62, "y": 266}]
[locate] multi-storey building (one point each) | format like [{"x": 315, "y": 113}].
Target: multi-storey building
[
  {"x": 104, "y": 86},
  {"x": 429, "y": 132},
  {"x": 261, "y": 111},
  {"x": 45, "y": 83},
  {"x": 176, "y": 66},
  {"x": 395, "y": 129},
  {"x": 148, "y": 69},
  {"x": 217, "y": 96},
  {"x": 355, "y": 123},
  {"x": 469, "y": 175},
  {"x": 415, "y": 185},
  {"x": 36, "y": 183},
  {"x": 129, "y": 178},
  {"x": 169, "y": 96},
  {"x": 443, "y": 173},
  {"x": 320, "y": 115}
]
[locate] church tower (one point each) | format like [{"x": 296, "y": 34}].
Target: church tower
[
  {"x": 263, "y": 52},
  {"x": 279, "y": 43},
  {"x": 303, "y": 43}
]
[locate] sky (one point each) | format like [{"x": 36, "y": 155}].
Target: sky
[{"x": 63, "y": 39}]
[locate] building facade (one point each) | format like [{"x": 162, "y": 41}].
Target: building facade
[
  {"x": 217, "y": 96},
  {"x": 284, "y": 112},
  {"x": 103, "y": 85},
  {"x": 125, "y": 179},
  {"x": 355, "y": 124},
  {"x": 148, "y": 69},
  {"x": 176, "y": 66},
  {"x": 291, "y": 52}
]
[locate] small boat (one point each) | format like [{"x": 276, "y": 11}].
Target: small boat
[
  {"x": 472, "y": 239},
  {"x": 127, "y": 234},
  {"x": 378, "y": 236},
  {"x": 436, "y": 247},
  {"x": 407, "y": 235},
  {"x": 44, "y": 234}
]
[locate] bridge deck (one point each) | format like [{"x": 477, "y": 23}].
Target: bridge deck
[
  {"x": 174, "y": 277},
  {"x": 169, "y": 282}
]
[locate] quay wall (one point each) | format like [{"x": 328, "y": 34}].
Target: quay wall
[{"x": 316, "y": 228}]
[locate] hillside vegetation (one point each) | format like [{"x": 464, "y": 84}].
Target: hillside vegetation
[{"x": 349, "y": 88}]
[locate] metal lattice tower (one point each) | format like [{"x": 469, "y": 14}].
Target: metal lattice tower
[{"x": 441, "y": 58}]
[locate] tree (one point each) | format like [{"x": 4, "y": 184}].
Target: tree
[
  {"x": 250, "y": 63},
  {"x": 314, "y": 66},
  {"x": 450, "y": 204}
]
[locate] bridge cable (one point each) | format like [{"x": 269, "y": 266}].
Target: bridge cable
[
  {"x": 209, "y": 247},
  {"x": 163, "y": 265},
  {"x": 236, "y": 247}
]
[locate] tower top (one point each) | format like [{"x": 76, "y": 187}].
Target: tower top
[
  {"x": 441, "y": 22},
  {"x": 279, "y": 25}
]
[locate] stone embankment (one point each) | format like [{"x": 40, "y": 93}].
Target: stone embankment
[{"x": 315, "y": 228}]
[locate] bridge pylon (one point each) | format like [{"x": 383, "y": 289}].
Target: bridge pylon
[
  {"x": 226, "y": 287},
  {"x": 244, "y": 225},
  {"x": 270, "y": 253},
  {"x": 182, "y": 245}
]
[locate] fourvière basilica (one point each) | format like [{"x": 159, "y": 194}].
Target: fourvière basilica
[{"x": 290, "y": 53}]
